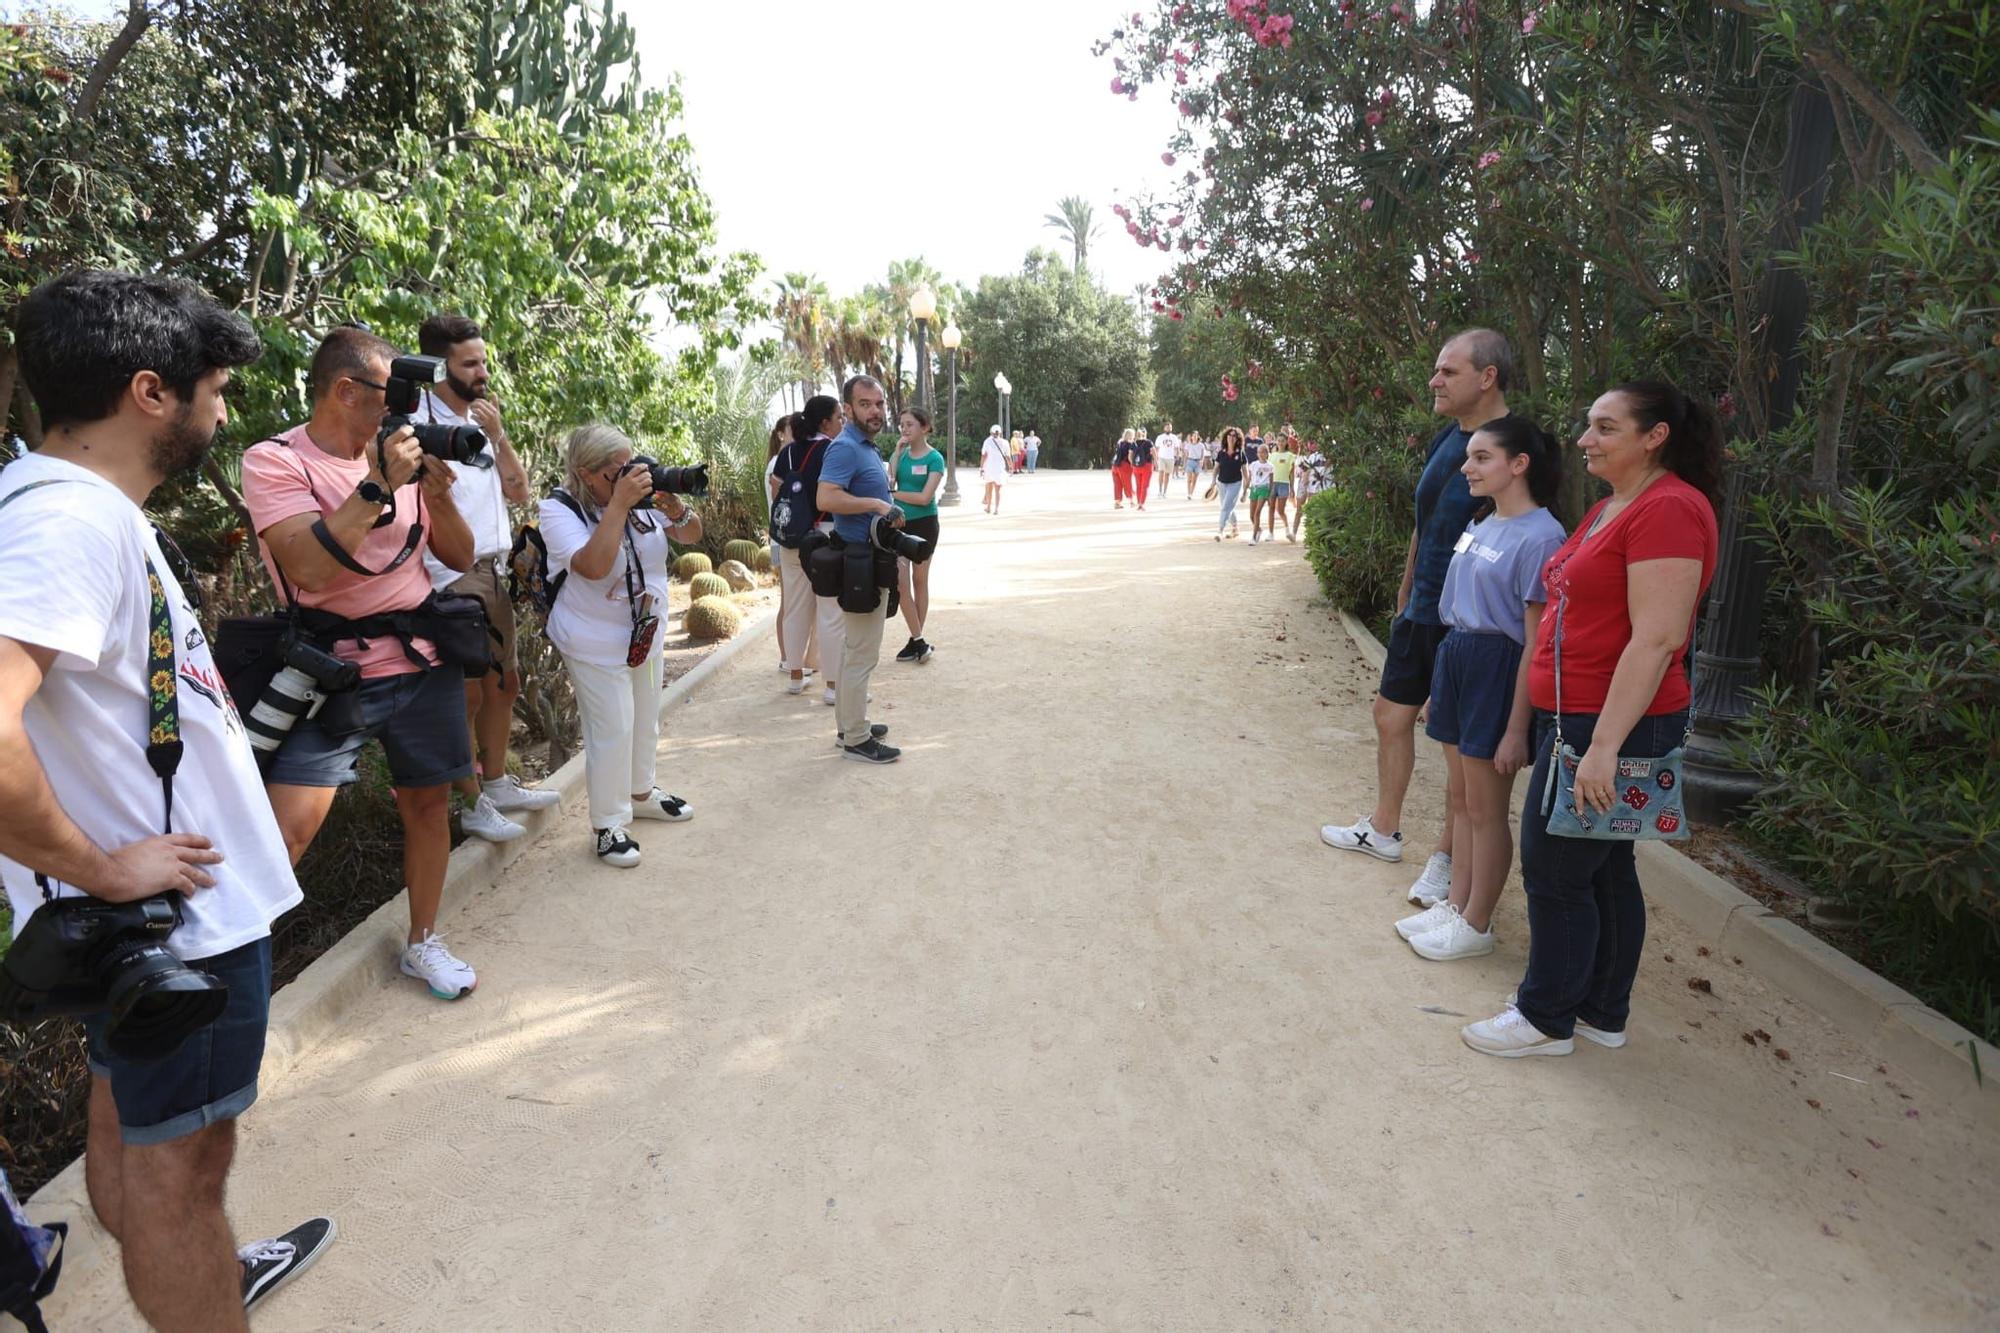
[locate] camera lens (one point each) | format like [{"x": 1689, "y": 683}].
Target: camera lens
[{"x": 155, "y": 1002}]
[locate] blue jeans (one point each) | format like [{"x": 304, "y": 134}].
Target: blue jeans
[
  {"x": 1586, "y": 916},
  {"x": 1230, "y": 490},
  {"x": 1033, "y": 454}
]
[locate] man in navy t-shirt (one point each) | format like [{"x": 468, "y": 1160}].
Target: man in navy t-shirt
[
  {"x": 1470, "y": 384},
  {"x": 854, "y": 488}
]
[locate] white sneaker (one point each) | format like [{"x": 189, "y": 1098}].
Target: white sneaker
[
  {"x": 1611, "y": 1041},
  {"x": 508, "y": 794},
  {"x": 828, "y": 697},
  {"x": 484, "y": 820},
  {"x": 1424, "y": 922},
  {"x": 1509, "y": 1036},
  {"x": 431, "y": 963},
  {"x": 795, "y": 686},
  {"x": 616, "y": 848},
  {"x": 1362, "y": 837},
  {"x": 1453, "y": 940},
  {"x": 1434, "y": 885},
  {"x": 659, "y": 805}
]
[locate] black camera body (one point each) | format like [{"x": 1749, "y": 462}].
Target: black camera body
[
  {"x": 886, "y": 536},
  {"x": 409, "y": 376},
  {"x": 85, "y": 956},
  {"x": 672, "y": 480},
  {"x": 307, "y": 676}
]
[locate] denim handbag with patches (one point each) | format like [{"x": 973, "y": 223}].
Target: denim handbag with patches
[{"x": 1650, "y": 806}]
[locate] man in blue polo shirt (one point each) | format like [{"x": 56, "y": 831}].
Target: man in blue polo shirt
[
  {"x": 854, "y": 488},
  {"x": 1473, "y": 372}
]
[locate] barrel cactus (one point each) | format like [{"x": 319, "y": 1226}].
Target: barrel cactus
[
  {"x": 691, "y": 564},
  {"x": 761, "y": 562},
  {"x": 708, "y": 585},
  {"x": 737, "y": 575},
  {"x": 712, "y": 618},
  {"x": 741, "y": 550}
]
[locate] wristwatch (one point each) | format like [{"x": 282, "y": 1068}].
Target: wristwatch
[{"x": 372, "y": 493}]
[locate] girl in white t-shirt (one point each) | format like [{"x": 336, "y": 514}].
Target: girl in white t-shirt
[
  {"x": 1261, "y": 471},
  {"x": 613, "y": 546}
]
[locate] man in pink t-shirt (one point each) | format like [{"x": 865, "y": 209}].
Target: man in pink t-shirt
[{"x": 368, "y": 500}]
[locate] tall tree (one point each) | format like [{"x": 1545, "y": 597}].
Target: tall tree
[{"x": 1075, "y": 219}]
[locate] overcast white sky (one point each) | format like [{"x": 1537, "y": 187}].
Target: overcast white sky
[{"x": 835, "y": 138}]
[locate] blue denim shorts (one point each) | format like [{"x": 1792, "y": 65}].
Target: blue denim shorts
[
  {"x": 419, "y": 716},
  {"x": 213, "y": 1076},
  {"x": 1472, "y": 692}
]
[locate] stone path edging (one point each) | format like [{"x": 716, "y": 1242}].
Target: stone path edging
[
  {"x": 307, "y": 1009},
  {"x": 1880, "y": 1014}
]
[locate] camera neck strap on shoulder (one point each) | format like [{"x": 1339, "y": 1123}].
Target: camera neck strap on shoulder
[
  {"x": 341, "y": 556},
  {"x": 163, "y": 704}
]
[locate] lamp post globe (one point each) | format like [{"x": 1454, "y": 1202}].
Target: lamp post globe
[
  {"x": 950, "y": 339},
  {"x": 1005, "y": 389},
  {"x": 923, "y": 309}
]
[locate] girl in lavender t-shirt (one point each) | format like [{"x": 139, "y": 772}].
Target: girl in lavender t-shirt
[{"x": 1492, "y": 600}]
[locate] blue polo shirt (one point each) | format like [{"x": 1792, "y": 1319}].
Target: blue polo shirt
[
  {"x": 1444, "y": 507},
  {"x": 853, "y": 465}
]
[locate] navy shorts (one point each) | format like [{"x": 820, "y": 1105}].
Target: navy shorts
[
  {"x": 419, "y": 716},
  {"x": 1406, "y": 674},
  {"x": 1472, "y": 692},
  {"x": 213, "y": 1076}
]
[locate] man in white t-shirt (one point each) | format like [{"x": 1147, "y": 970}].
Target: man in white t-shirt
[
  {"x": 103, "y": 664},
  {"x": 482, "y": 491},
  {"x": 1167, "y": 446}
]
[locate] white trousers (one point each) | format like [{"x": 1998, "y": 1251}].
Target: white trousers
[
  {"x": 620, "y": 710},
  {"x": 798, "y": 609},
  {"x": 830, "y": 624}
]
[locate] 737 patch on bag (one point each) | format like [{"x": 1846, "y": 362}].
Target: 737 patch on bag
[{"x": 1669, "y": 820}]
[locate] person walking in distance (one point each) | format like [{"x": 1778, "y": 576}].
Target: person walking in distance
[
  {"x": 1283, "y": 460},
  {"x": 917, "y": 469},
  {"x": 1492, "y": 600},
  {"x": 1167, "y": 453},
  {"x": 1142, "y": 468},
  {"x": 1469, "y": 385},
  {"x": 993, "y": 469},
  {"x": 1034, "y": 443},
  {"x": 854, "y": 488},
  {"x": 1197, "y": 459},
  {"x": 608, "y": 530},
  {"x": 482, "y": 490},
  {"x": 126, "y": 773},
  {"x": 781, "y": 435},
  {"x": 1228, "y": 480},
  {"x": 1260, "y": 490},
  {"x": 1121, "y": 469}
]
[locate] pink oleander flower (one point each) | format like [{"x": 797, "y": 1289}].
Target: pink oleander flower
[
  {"x": 1117, "y": 86},
  {"x": 1180, "y": 77},
  {"x": 1472, "y": 256},
  {"x": 1488, "y": 159},
  {"x": 1180, "y": 57},
  {"x": 1175, "y": 315},
  {"x": 1368, "y": 205},
  {"x": 1387, "y": 97},
  {"x": 1186, "y": 107},
  {"x": 1177, "y": 219},
  {"x": 1167, "y": 158},
  {"x": 1528, "y": 23},
  {"x": 1373, "y": 118}
]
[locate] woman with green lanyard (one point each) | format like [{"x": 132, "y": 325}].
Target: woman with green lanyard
[{"x": 915, "y": 471}]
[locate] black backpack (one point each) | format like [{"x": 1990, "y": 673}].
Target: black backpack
[
  {"x": 30, "y": 1261},
  {"x": 528, "y": 574},
  {"x": 795, "y": 509}
]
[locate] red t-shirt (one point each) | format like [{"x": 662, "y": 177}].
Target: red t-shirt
[{"x": 1670, "y": 520}]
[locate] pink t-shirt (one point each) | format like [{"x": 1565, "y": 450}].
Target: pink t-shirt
[{"x": 296, "y": 477}]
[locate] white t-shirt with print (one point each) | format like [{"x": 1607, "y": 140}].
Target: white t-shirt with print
[
  {"x": 477, "y": 493},
  {"x": 73, "y": 580},
  {"x": 1168, "y": 447},
  {"x": 1261, "y": 473},
  {"x": 592, "y": 618}
]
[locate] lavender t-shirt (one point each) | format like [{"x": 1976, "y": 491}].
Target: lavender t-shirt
[{"x": 1495, "y": 569}]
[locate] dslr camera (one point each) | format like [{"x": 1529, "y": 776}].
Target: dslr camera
[
  {"x": 672, "y": 480},
  {"x": 886, "y": 536},
  {"x": 409, "y": 376},
  {"x": 304, "y": 680},
  {"x": 85, "y": 956}
]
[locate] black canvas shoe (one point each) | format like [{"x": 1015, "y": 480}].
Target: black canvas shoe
[
  {"x": 872, "y": 751},
  {"x": 911, "y": 651},
  {"x": 270, "y": 1264}
]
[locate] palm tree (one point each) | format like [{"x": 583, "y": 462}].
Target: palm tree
[
  {"x": 893, "y": 298},
  {"x": 800, "y": 311},
  {"x": 1074, "y": 219}
]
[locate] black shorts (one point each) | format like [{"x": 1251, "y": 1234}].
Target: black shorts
[
  {"x": 925, "y": 527},
  {"x": 1406, "y": 675}
]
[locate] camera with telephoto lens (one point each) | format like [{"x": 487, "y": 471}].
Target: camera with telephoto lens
[
  {"x": 299, "y": 689},
  {"x": 409, "y": 376},
  {"x": 85, "y": 956},
  {"x": 888, "y": 537},
  {"x": 672, "y": 480}
]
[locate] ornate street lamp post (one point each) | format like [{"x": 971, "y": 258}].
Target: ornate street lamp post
[
  {"x": 923, "y": 309},
  {"x": 1006, "y": 391},
  {"x": 950, "y": 339}
]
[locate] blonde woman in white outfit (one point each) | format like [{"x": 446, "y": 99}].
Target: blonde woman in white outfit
[
  {"x": 993, "y": 469},
  {"x": 604, "y": 532}
]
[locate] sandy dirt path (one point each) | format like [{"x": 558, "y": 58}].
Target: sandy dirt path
[{"x": 1069, "y": 1021}]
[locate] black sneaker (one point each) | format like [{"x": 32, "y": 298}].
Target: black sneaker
[
  {"x": 872, "y": 751},
  {"x": 877, "y": 730},
  {"x": 912, "y": 651},
  {"x": 616, "y": 848},
  {"x": 270, "y": 1264},
  {"x": 924, "y": 650}
]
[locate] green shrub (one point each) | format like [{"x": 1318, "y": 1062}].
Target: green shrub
[{"x": 1355, "y": 541}]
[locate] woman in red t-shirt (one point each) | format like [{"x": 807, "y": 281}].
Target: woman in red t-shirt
[{"x": 1626, "y": 585}]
